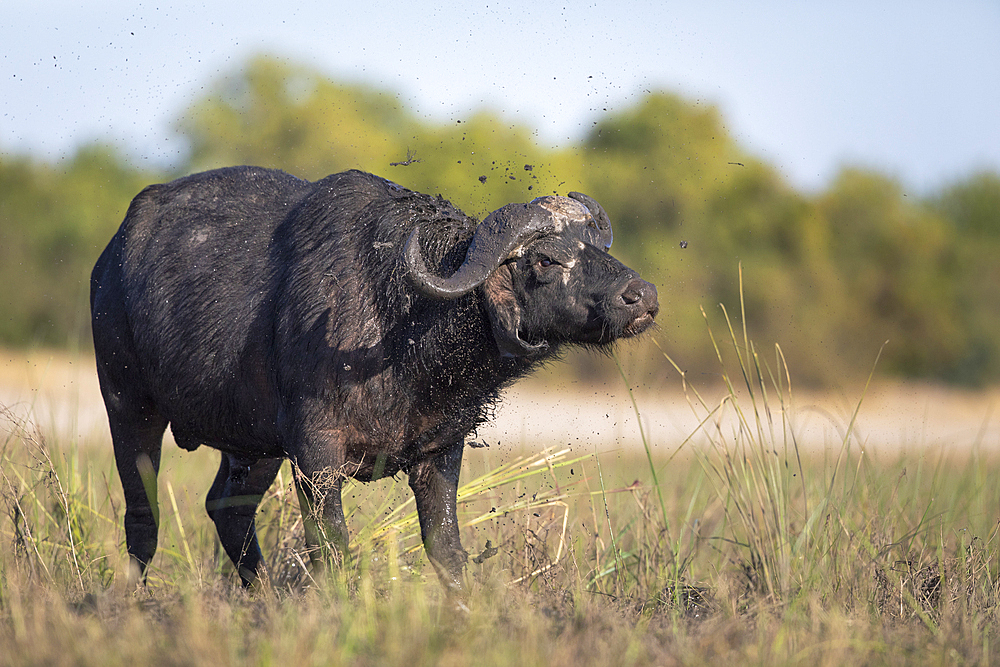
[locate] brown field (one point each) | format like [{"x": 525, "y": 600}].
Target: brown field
[
  {"x": 770, "y": 531},
  {"x": 60, "y": 393}
]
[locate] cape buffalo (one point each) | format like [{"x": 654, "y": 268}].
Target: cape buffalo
[{"x": 350, "y": 325}]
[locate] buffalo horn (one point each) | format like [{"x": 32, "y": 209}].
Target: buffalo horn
[
  {"x": 601, "y": 218},
  {"x": 502, "y": 235}
]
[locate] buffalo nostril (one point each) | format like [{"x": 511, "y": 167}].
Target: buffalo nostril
[{"x": 635, "y": 291}]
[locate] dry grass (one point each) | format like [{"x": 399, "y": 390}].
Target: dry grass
[
  {"x": 739, "y": 549},
  {"x": 898, "y": 566}
]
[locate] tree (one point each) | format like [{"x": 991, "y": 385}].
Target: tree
[
  {"x": 55, "y": 223},
  {"x": 829, "y": 277},
  {"x": 275, "y": 114},
  {"x": 896, "y": 261},
  {"x": 972, "y": 208}
]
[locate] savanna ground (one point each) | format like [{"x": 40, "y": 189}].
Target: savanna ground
[{"x": 737, "y": 542}]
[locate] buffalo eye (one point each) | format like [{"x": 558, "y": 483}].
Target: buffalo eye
[{"x": 544, "y": 268}]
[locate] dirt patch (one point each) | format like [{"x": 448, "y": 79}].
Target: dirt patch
[
  {"x": 60, "y": 393},
  {"x": 891, "y": 417}
]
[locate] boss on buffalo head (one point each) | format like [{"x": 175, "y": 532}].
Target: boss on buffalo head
[{"x": 547, "y": 276}]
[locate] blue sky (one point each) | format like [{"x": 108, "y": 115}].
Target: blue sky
[{"x": 909, "y": 88}]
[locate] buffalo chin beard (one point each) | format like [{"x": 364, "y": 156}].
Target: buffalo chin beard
[
  {"x": 638, "y": 325},
  {"x": 606, "y": 336}
]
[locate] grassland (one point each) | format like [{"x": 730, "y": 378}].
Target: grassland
[{"x": 735, "y": 546}]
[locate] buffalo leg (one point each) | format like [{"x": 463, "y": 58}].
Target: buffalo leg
[
  {"x": 232, "y": 503},
  {"x": 137, "y": 441},
  {"x": 322, "y": 515},
  {"x": 434, "y": 483}
]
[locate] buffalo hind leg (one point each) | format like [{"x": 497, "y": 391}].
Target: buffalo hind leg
[
  {"x": 137, "y": 441},
  {"x": 434, "y": 482},
  {"x": 232, "y": 503}
]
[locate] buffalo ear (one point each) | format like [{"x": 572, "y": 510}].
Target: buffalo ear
[{"x": 505, "y": 316}]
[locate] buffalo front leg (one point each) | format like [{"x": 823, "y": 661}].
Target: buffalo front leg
[
  {"x": 322, "y": 515},
  {"x": 232, "y": 503},
  {"x": 434, "y": 482}
]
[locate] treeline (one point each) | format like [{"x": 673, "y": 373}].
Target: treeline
[{"x": 829, "y": 277}]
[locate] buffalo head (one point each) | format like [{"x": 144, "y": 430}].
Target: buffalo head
[{"x": 547, "y": 277}]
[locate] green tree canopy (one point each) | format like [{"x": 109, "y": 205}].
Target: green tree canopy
[
  {"x": 829, "y": 276},
  {"x": 54, "y": 221}
]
